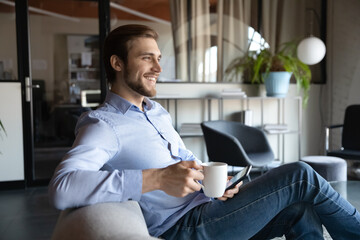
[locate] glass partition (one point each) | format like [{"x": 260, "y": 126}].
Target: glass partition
[
  {"x": 200, "y": 38},
  {"x": 64, "y": 47},
  {"x": 155, "y": 14},
  {"x": 8, "y": 56}
]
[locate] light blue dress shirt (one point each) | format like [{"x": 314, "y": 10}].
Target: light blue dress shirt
[{"x": 113, "y": 145}]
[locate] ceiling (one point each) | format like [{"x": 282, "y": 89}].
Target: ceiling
[{"x": 89, "y": 9}]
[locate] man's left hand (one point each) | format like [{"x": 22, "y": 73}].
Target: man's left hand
[{"x": 231, "y": 192}]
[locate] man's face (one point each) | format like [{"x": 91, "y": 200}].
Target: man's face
[{"x": 143, "y": 69}]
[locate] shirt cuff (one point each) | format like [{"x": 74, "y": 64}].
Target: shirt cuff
[{"x": 132, "y": 185}]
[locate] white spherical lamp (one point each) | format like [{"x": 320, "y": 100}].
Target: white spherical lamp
[{"x": 311, "y": 50}]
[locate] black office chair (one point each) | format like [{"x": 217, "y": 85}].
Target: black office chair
[
  {"x": 236, "y": 144},
  {"x": 350, "y": 140}
]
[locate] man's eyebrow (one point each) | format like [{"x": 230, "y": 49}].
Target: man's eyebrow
[{"x": 148, "y": 53}]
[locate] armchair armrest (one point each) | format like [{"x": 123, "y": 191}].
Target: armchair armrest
[{"x": 327, "y": 135}]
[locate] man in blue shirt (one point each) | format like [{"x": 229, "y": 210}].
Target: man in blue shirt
[{"x": 127, "y": 149}]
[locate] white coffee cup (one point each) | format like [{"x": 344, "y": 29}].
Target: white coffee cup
[{"x": 215, "y": 179}]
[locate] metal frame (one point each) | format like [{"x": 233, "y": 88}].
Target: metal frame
[
  {"x": 104, "y": 29},
  {"x": 23, "y": 55}
]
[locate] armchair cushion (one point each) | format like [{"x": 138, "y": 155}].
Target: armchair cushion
[{"x": 102, "y": 221}]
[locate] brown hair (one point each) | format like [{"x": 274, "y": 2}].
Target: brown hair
[{"x": 118, "y": 43}]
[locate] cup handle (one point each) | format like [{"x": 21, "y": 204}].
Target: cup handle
[{"x": 202, "y": 186}]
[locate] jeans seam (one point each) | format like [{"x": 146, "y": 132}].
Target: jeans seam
[
  {"x": 213, "y": 220},
  {"x": 334, "y": 202}
]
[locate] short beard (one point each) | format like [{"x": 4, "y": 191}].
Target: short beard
[{"x": 137, "y": 86}]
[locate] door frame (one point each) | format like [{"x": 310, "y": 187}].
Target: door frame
[{"x": 23, "y": 59}]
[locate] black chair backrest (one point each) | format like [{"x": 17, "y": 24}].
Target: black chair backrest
[
  {"x": 221, "y": 146},
  {"x": 351, "y": 128},
  {"x": 233, "y": 142}
]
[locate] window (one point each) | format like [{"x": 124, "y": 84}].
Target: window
[{"x": 256, "y": 41}]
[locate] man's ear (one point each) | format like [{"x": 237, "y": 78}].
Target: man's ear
[{"x": 116, "y": 63}]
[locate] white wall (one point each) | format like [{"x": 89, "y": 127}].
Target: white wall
[{"x": 11, "y": 144}]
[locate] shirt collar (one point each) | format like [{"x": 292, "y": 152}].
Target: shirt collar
[
  {"x": 148, "y": 105},
  {"x": 124, "y": 105}
]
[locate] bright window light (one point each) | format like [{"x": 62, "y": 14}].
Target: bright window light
[
  {"x": 256, "y": 41},
  {"x": 210, "y": 65}
]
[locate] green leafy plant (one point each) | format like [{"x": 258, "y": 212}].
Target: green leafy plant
[
  {"x": 2, "y": 128},
  {"x": 255, "y": 66}
]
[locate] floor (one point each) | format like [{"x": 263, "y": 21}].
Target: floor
[{"x": 26, "y": 214}]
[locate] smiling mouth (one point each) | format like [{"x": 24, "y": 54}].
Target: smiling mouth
[{"x": 151, "y": 77}]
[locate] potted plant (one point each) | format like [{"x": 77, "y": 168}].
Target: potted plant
[{"x": 261, "y": 66}]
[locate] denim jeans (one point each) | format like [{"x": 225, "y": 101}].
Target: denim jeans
[{"x": 292, "y": 200}]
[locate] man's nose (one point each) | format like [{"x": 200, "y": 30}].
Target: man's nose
[{"x": 156, "y": 67}]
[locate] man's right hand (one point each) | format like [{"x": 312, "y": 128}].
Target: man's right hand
[{"x": 177, "y": 180}]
